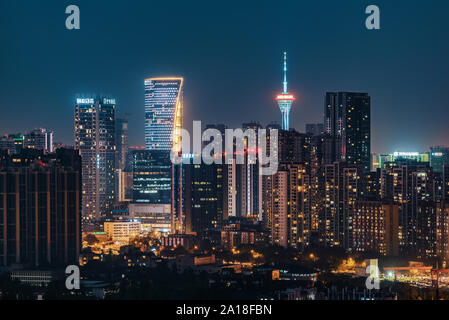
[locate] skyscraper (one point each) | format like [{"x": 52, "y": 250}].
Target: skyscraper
[
  {"x": 95, "y": 139},
  {"x": 347, "y": 122},
  {"x": 163, "y": 122},
  {"x": 203, "y": 197},
  {"x": 285, "y": 100},
  {"x": 163, "y": 113},
  {"x": 287, "y": 206}
]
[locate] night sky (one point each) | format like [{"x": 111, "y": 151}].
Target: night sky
[{"x": 230, "y": 54}]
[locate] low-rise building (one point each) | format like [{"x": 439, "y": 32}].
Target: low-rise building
[{"x": 122, "y": 230}]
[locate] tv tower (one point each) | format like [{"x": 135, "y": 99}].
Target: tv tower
[{"x": 285, "y": 100}]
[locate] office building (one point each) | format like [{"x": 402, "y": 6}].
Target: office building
[
  {"x": 122, "y": 230},
  {"x": 151, "y": 177},
  {"x": 163, "y": 123},
  {"x": 163, "y": 112},
  {"x": 152, "y": 217},
  {"x": 203, "y": 197},
  {"x": 40, "y": 209}
]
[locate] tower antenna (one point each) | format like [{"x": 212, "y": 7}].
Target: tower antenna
[{"x": 285, "y": 73}]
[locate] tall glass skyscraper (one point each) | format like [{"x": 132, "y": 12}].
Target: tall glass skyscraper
[
  {"x": 347, "y": 122},
  {"x": 95, "y": 139},
  {"x": 163, "y": 122},
  {"x": 163, "y": 112}
]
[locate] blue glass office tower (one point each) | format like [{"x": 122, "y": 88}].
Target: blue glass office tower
[
  {"x": 151, "y": 177},
  {"x": 163, "y": 110},
  {"x": 163, "y": 122}
]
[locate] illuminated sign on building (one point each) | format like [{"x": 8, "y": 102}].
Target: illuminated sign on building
[
  {"x": 406, "y": 154},
  {"x": 108, "y": 101},
  {"x": 84, "y": 101}
]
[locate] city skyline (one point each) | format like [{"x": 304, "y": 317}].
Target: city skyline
[
  {"x": 252, "y": 151},
  {"x": 395, "y": 73}
]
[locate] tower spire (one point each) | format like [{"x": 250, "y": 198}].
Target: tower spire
[
  {"x": 285, "y": 100},
  {"x": 285, "y": 73}
]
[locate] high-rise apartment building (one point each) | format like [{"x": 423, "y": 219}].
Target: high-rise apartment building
[
  {"x": 442, "y": 230},
  {"x": 242, "y": 182},
  {"x": 376, "y": 228},
  {"x": 410, "y": 184},
  {"x": 39, "y": 139},
  {"x": 95, "y": 140},
  {"x": 342, "y": 186},
  {"x": 445, "y": 182},
  {"x": 293, "y": 147},
  {"x": 347, "y": 122},
  {"x": 243, "y": 189},
  {"x": 288, "y": 206},
  {"x": 279, "y": 211}
]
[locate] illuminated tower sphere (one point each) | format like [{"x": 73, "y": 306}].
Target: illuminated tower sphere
[{"x": 285, "y": 100}]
